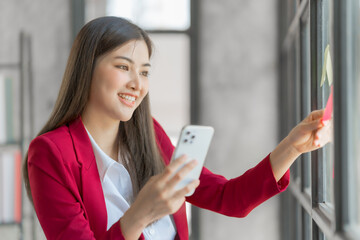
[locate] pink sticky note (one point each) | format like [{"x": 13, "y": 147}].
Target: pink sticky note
[{"x": 329, "y": 107}]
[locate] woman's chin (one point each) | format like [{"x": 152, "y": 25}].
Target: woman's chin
[{"x": 125, "y": 118}]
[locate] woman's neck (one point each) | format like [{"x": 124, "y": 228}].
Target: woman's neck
[{"x": 104, "y": 131}]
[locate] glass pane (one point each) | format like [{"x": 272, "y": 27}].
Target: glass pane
[
  {"x": 153, "y": 14},
  {"x": 324, "y": 91},
  {"x": 170, "y": 82}
]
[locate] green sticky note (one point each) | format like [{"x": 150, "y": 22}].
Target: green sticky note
[
  {"x": 329, "y": 69},
  {"x": 323, "y": 74}
]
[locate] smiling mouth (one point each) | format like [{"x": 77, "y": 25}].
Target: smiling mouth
[{"x": 127, "y": 99}]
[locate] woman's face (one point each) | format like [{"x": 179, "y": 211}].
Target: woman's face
[{"x": 120, "y": 81}]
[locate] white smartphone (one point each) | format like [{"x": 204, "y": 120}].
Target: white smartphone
[{"x": 194, "y": 141}]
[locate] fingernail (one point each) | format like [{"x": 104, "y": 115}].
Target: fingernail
[
  {"x": 317, "y": 136},
  {"x": 316, "y": 143}
]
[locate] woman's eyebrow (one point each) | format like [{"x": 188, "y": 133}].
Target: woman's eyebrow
[{"x": 131, "y": 61}]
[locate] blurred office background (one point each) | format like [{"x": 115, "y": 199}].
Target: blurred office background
[{"x": 232, "y": 64}]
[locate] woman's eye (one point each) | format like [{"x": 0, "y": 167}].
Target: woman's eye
[
  {"x": 145, "y": 73},
  {"x": 123, "y": 67}
]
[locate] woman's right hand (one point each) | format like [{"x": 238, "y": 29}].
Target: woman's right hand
[{"x": 158, "y": 198}]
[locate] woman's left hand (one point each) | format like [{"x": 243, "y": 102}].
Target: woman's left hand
[{"x": 312, "y": 133}]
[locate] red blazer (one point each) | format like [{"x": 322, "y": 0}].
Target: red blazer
[{"x": 70, "y": 204}]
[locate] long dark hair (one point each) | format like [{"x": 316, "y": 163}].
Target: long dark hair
[{"x": 136, "y": 137}]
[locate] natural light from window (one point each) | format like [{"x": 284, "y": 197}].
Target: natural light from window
[{"x": 153, "y": 14}]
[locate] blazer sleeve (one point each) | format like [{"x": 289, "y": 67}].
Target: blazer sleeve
[
  {"x": 57, "y": 201},
  {"x": 236, "y": 197}
]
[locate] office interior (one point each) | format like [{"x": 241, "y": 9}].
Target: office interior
[{"x": 251, "y": 69}]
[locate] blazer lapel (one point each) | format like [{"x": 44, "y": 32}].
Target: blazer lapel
[
  {"x": 181, "y": 223},
  {"x": 92, "y": 193}
]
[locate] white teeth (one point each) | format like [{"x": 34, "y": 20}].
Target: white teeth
[{"x": 128, "y": 98}]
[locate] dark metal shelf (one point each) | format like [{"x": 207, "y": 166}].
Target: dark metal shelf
[
  {"x": 3, "y": 224},
  {"x": 24, "y": 66},
  {"x": 10, "y": 65},
  {"x": 10, "y": 144}
]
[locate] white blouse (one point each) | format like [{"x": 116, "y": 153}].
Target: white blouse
[{"x": 117, "y": 189}]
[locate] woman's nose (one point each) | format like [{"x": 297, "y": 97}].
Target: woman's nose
[{"x": 135, "y": 81}]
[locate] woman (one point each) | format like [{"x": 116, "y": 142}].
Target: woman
[{"x": 99, "y": 169}]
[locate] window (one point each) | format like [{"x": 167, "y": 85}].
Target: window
[
  {"x": 320, "y": 37},
  {"x": 153, "y": 14}
]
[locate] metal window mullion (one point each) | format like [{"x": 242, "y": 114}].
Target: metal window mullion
[
  {"x": 316, "y": 29},
  {"x": 301, "y": 197},
  {"x": 315, "y": 41},
  {"x": 298, "y": 223},
  {"x": 322, "y": 221},
  {"x": 22, "y": 65},
  {"x": 195, "y": 97},
  {"x": 195, "y": 94},
  {"x": 77, "y": 16},
  {"x": 297, "y": 94},
  {"x": 305, "y": 92},
  {"x": 306, "y": 225},
  {"x": 342, "y": 110}
]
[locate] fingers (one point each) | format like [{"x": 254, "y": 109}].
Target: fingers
[
  {"x": 159, "y": 196},
  {"x": 188, "y": 188},
  {"x": 172, "y": 167},
  {"x": 324, "y": 135},
  {"x": 180, "y": 175},
  {"x": 317, "y": 114},
  {"x": 313, "y": 125}
]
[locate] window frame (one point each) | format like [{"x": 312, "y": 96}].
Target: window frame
[{"x": 323, "y": 220}]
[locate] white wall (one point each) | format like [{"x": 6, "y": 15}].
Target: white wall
[{"x": 238, "y": 73}]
